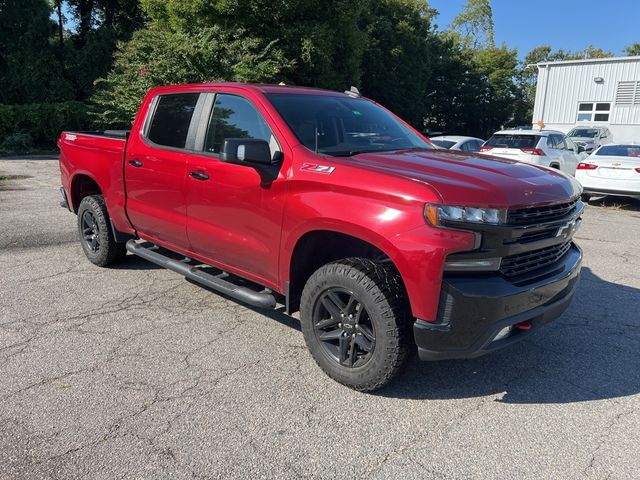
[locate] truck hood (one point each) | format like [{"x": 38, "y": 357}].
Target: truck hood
[{"x": 460, "y": 178}]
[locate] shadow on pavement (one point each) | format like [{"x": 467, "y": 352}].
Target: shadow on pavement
[{"x": 590, "y": 353}]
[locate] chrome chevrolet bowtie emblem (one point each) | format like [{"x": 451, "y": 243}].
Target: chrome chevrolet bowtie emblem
[{"x": 566, "y": 230}]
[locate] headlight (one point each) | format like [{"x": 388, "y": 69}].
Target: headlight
[{"x": 437, "y": 215}]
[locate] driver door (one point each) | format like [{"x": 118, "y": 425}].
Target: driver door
[{"x": 234, "y": 219}]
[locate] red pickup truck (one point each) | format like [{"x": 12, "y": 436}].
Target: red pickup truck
[{"x": 331, "y": 205}]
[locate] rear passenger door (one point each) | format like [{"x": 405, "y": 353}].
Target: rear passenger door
[{"x": 156, "y": 168}]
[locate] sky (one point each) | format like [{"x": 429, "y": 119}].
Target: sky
[{"x": 568, "y": 24}]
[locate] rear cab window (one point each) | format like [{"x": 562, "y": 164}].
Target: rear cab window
[
  {"x": 513, "y": 141},
  {"x": 171, "y": 119}
]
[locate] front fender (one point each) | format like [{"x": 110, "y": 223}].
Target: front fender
[{"x": 416, "y": 249}]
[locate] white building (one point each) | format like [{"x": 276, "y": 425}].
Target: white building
[{"x": 603, "y": 91}]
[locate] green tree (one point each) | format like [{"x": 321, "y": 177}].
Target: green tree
[
  {"x": 474, "y": 25},
  {"x": 30, "y": 71},
  {"x": 397, "y": 63},
  {"x": 633, "y": 50},
  {"x": 157, "y": 56},
  {"x": 326, "y": 39}
]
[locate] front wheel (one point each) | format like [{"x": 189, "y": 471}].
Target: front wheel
[
  {"x": 354, "y": 321},
  {"x": 96, "y": 236}
]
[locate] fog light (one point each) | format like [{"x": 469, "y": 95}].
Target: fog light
[
  {"x": 484, "y": 264},
  {"x": 504, "y": 333}
]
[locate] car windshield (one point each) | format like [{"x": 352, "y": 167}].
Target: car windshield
[
  {"x": 620, "y": 151},
  {"x": 344, "y": 126},
  {"x": 584, "y": 133},
  {"x": 512, "y": 141},
  {"x": 443, "y": 143}
]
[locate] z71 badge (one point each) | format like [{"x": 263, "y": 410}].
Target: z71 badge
[{"x": 312, "y": 167}]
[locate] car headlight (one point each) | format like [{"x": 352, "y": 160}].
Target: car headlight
[{"x": 439, "y": 215}]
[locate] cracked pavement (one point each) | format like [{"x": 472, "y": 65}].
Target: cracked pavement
[{"x": 133, "y": 372}]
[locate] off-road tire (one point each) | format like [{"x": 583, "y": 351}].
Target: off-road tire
[
  {"x": 378, "y": 288},
  {"x": 108, "y": 251}
]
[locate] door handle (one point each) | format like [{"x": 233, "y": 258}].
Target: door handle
[
  {"x": 199, "y": 175},
  {"x": 135, "y": 163}
]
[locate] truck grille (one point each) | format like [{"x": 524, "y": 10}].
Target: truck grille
[
  {"x": 523, "y": 263},
  {"x": 528, "y": 216}
]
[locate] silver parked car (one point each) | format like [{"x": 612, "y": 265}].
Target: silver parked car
[
  {"x": 456, "y": 142},
  {"x": 591, "y": 138}
]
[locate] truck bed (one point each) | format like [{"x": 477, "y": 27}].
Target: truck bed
[{"x": 96, "y": 156}]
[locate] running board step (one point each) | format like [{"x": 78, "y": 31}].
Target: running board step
[{"x": 264, "y": 299}]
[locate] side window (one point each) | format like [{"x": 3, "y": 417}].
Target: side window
[
  {"x": 570, "y": 145},
  {"x": 466, "y": 146},
  {"x": 475, "y": 145},
  {"x": 171, "y": 119},
  {"x": 556, "y": 141},
  {"x": 235, "y": 117}
]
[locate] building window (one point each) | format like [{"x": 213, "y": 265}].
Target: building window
[
  {"x": 628, "y": 93},
  {"x": 593, "y": 112}
]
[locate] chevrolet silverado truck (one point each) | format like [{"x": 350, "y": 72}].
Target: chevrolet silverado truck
[{"x": 328, "y": 204}]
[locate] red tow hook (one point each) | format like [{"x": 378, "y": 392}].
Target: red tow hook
[{"x": 523, "y": 326}]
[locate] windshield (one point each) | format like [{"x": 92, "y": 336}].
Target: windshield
[
  {"x": 343, "y": 126},
  {"x": 620, "y": 151},
  {"x": 443, "y": 143},
  {"x": 513, "y": 141},
  {"x": 583, "y": 133}
]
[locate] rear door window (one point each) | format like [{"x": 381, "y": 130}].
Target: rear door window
[
  {"x": 557, "y": 142},
  {"x": 171, "y": 119},
  {"x": 513, "y": 141}
]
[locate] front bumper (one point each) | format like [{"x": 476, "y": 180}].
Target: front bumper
[{"x": 474, "y": 309}]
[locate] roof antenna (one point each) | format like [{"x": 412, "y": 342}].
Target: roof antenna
[{"x": 353, "y": 92}]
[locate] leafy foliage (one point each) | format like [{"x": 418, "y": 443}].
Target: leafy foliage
[
  {"x": 633, "y": 50},
  {"x": 157, "y": 56},
  {"x": 42, "y": 122},
  {"x": 474, "y": 25}
]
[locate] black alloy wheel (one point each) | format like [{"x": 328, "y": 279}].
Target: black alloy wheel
[
  {"x": 90, "y": 231},
  {"x": 343, "y": 327}
]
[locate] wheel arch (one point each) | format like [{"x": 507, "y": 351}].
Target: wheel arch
[
  {"x": 81, "y": 186},
  {"x": 315, "y": 248}
]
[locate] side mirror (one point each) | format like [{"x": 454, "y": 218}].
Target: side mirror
[
  {"x": 580, "y": 149},
  {"x": 247, "y": 151}
]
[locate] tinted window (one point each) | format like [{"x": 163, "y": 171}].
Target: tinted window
[
  {"x": 443, "y": 143},
  {"x": 170, "y": 123},
  {"x": 343, "y": 126},
  {"x": 513, "y": 141},
  {"x": 234, "y": 117},
  {"x": 584, "y": 132},
  {"x": 556, "y": 141},
  {"x": 620, "y": 151}
]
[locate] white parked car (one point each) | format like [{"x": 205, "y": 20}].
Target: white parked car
[
  {"x": 541, "y": 147},
  {"x": 456, "y": 142},
  {"x": 591, "y": 138},
  {"x": 611, "y": 170}
]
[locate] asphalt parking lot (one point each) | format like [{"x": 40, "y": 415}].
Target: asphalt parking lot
[{"x": 132, "y": 372}]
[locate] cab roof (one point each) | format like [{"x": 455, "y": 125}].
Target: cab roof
[{"x": 262, "y": 88}]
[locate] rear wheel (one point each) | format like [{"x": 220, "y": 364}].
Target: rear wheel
[
  {"x": 96, "y": 236},
  {"x": 354, "y": 321},
  {"x": 585, "y": 197}
]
